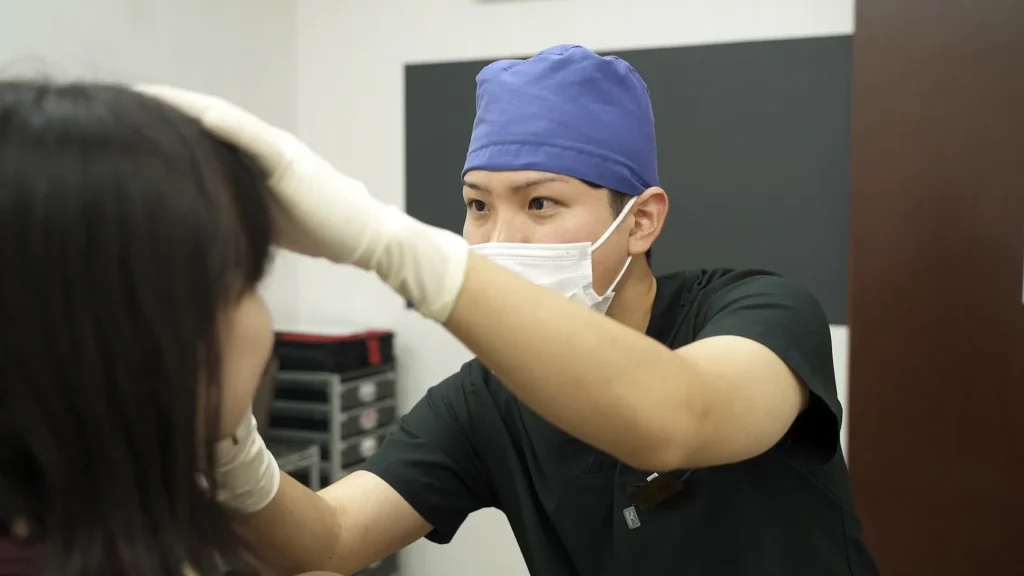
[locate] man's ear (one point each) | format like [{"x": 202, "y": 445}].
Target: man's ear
[{"x": 649, "y": 212}]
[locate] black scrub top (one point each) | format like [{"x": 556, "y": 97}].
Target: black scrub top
[{"x": 470, "y": 444}]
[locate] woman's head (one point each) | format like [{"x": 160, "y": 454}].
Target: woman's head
[{"x": 131, "y": 335}]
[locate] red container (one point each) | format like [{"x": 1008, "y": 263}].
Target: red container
[{"x": 335, "y": 353}]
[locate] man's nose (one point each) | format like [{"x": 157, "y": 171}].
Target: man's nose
[{"x": 510, "y": 229}]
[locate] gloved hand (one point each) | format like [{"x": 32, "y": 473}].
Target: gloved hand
[
  {"x": 248, "y": 476},
  {"x": 326, "y": 214}
]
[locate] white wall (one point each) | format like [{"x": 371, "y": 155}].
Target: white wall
[
  {"x": 244, "y": 50},
  {"x": 350, "y": 103}
]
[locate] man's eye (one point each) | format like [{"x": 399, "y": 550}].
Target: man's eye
[
  {"x": 541, "y": 204},
  {"x": 475, "y": 205}
]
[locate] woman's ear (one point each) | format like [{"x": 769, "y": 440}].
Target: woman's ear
[{"x": 649, "y": 212}]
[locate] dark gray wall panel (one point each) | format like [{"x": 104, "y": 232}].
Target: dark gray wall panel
[{"x": 754, "y": 152}]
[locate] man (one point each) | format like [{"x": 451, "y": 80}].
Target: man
[{"x": 695, "y": 432}]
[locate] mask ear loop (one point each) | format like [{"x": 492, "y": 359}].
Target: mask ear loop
[
  {"x": 615, "y": 224},
  {"x": 611, "y": 289},
  {"x": 607, "y": 233}
]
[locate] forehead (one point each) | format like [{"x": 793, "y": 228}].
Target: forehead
[{"x": 518, "y": 180}]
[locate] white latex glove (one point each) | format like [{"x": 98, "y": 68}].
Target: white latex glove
[
  {"x": 326, "y": 214},
  {"x": 248, "y": 476}
]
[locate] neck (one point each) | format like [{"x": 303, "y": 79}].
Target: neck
[{"x": 634, "y": 296}]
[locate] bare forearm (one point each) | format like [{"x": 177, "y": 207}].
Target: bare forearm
[
  {"x": 343, "y": 528},
  {"x": 297, "y": 532},
  {"x": 595, "y": 378}
]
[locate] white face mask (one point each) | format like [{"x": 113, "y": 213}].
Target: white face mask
[{"x": 565, "y": 268}]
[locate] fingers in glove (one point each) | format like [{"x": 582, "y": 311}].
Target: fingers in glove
[{"x": 271, "y": 147}]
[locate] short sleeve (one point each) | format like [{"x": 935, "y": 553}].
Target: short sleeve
[
  {"x": 787, "y": 319},
  {"x": 431, "y": 461}
]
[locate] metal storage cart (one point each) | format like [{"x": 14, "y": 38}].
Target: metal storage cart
[
  {"x": 297, "y": 458},
  {"x": 346, "y": 415}
]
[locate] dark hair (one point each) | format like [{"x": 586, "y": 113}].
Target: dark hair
[
  {"x": 126, "y": 231},
  {"x": 617, "y": 201}
]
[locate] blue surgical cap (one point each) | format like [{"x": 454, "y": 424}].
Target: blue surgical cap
[{"x": 568, "y": 111}]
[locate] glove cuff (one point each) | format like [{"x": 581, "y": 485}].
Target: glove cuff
[
  {"x": 248, "y": 476},
  {"x": 423, "y": 263}
]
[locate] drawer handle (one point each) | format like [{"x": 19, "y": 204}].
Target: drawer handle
[
  {"x": 367, "y": 392},
  {"x": 368, "y": 446},
  {"x": 368, "y": 419}
]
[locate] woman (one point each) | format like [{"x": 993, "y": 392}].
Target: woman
[{"x": 131, "y": 333}]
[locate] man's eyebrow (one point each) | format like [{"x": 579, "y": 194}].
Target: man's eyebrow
[
  {"x": 518, "y": 187},
  {"x": 474, "y": 186}
]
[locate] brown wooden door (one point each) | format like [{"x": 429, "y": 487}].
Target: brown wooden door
[{"x": 936, "y": 312}]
